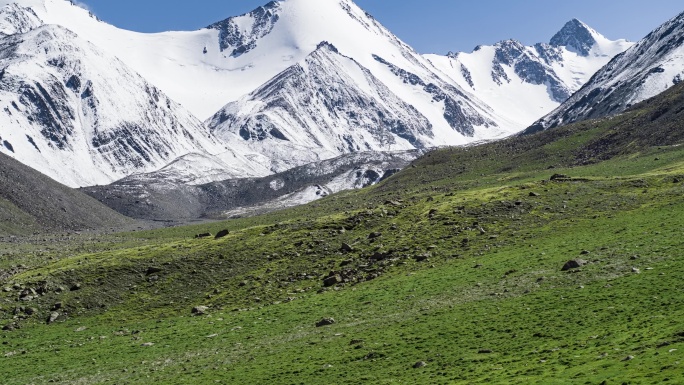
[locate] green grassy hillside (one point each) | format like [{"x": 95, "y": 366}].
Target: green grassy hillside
[{"x": 449, "y": 272}]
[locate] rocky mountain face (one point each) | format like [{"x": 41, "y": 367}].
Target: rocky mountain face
[
  {"x": 343, "y": 96},
  {"x": 239, "y": 35},
  {"x": 650, "y": 67},
  {"x": 83, "y": 117},
  {"x": 156, "y": 196},
  {"x": 324, "y": 107},
  {"x": 519, "y": 81}
]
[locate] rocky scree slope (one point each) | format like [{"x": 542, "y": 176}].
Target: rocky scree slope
[
  {"x": 156, "y": 196},
  {"x": 32, "y": 202}
]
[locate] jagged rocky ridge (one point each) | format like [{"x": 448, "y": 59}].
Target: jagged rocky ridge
[
  {"x": 314, "y": 107},
  {"x": 650, "y": 67},
  {"x": 521, "y": 81}
]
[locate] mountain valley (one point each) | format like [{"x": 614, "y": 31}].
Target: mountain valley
[{"x": 266, "y": 200}]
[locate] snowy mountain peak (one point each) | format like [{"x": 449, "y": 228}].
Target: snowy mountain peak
[
  {"x": 578, "y": 36},
  {"x": 650, "y": 67},
  {"x": 240, "y": 33},
  {"x": 520, "y": 82}
]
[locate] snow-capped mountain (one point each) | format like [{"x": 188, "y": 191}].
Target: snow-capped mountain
[
  {"x": 342, "y": 96},
  {"x": 650, "y": 67},
  {"x": 524, "y": 82},
  {"x": 206, "y": 69},
  {"x": 83, "y": 117},
  {"x": 330, "y": 105},
  {"x": 294, "y": 81}
]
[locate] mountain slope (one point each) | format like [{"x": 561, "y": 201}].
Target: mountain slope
[
  {"x": 650, "y": 67},
  {"x": 158, "y": 196},
  {"x": 83, "y": 117},
  {"x": 522, "y": 83},
  {"x": 330, "y": 105},
  {"x": 30, "y": 202}
]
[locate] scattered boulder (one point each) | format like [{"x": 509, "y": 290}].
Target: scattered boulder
[
  {"x": 57, "y": 306},
  {"x": 422, "y": 257},
  {"x": 485, "y": 351},
  {"x": 325, "y": 322},
  {"x": 419, "y": 364},
  {"x": 8, "y": 327},
  {"x": 222, "y": 234},
  {"x": 202, "y": 235},
  {"x": 200, "y": 310},
  {"x": 53, "y": 317},
  {"x": 346, "y": 262},
  {"x": 636, "y": 270},
  {"x": 628, "y": 358},
  {"x": 75, "y": 287},
  {"x": 534, "y": 194},
  {"x": 374, "y": 235},
  {"x": 574, "y": 264},
  {"x": 153, "y": 270},
  {"x": 332, "y": 280},
  {"x": 147, "y": 344},
  {"x": 585, "y": 252},
  {"x": 346, "y": 248},
  {"x": 27, "y": 294}
]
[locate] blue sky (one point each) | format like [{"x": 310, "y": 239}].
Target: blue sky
[{"x": 430, "y": 26}]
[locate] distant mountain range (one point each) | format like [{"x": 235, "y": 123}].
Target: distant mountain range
[{"x": 290, "y": 83}]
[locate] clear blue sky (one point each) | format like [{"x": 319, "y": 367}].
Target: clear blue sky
[{"x": 430, "y": 26}]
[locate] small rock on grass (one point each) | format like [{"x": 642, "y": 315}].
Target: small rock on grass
[
  {"x": 325, "y": 322},
  {"x": 346, "y": 248},
  {"x": 147, "y": 344},
  {"x": 332, "y": 280},
  {"x": 628, "y": 358},
  {"x": 200, "y": 310},
  {"x": 53, "y": 317},
  {"x": 419, "y": 364},
  {"x": 222, "y": 234},
  {"x": 574, "y": 264}
]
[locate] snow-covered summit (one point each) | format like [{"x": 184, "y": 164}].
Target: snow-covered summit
[
  {"x": 523, "y": 82},
  {"x": 647, "y": 69},
  {"x": 576, "y": 35}
]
